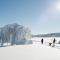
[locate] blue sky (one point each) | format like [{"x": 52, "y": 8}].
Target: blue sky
[{"x": 41, "y": 16}]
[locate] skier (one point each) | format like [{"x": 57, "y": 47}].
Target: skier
[{"x": 42, "y": 40}]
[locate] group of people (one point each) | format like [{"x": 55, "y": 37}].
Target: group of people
[{"x": 54, "y": 40}]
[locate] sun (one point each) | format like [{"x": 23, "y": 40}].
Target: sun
[{"x": 58, "y": 6}]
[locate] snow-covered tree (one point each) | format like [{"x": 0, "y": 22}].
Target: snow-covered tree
[{"x": 14, "y": 34}]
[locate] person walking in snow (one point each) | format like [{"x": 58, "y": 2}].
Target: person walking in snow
[
  {"x": 42, "y": 40},
  {"x": 54, "y": 42}
]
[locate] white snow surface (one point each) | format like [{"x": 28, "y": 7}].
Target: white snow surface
[{"x": 35, "y": 51}]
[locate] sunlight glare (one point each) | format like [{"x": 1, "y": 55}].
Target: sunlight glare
[{"x": 58, "y": 6}]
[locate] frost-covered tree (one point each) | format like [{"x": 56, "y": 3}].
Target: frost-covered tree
[{"x": 14, "y": 34}]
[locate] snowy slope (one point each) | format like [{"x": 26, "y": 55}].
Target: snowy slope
[{"x": 29, "y": 52}]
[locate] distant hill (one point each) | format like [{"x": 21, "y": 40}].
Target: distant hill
[{"x": 47, "y": 35}]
